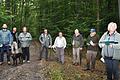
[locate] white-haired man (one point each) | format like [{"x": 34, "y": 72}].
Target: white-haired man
[{"x": 110, "y": 44}]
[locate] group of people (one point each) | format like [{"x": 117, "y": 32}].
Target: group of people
[
  {"x": 9, "y": 43},
  {"x": 109, "y": 42}
]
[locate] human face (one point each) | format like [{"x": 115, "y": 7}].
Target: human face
[
  {"x": 93, "y": 34},
  {"x": 45, "y": 31},
  {"x": 4, "y": 27},
  {"x": 14, "y": 29},
  {"x": 76, "y": 31},
  {"x": 24, "y": 29},
  {"x": 112, "y": 27},
  {"x": 60, "y": 34}
]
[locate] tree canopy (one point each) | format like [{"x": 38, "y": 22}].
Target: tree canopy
[{"x": 59, "y": 15}]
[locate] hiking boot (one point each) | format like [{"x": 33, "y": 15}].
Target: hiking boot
[
  {"x": 86, "y": 69},
  {"x": 73, "y": 63}
]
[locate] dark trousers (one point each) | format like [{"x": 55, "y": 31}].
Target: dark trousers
[
  {"x": 112, "y": 68},
  {"x": 2, "y": 51},
  {"x": 26, "y": 53},
  {"x": 44, "y": 53}
]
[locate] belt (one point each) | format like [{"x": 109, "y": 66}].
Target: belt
[{"x": 110, "y": 58}]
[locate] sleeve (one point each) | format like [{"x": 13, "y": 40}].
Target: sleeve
[
  {"x": 97, "y": 40},
  {"x": 20, "y": 38},
  {"x": 50, "y": 39},
  {"x": 30, "y": 37},
  {"x": 72, "y": 40},
  {"x": 65, "y": 43},
  {"x": 55, "y": 42},
  {"x": 117, "y": 46},
  {"x": 81, "y": 42},
  {"x": 40, "y": 38},
  {"x": 101, "y": 40},
  {"x": 10, "y": 37}
]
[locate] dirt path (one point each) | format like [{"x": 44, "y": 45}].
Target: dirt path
[
  {"x": 28, "y": 71},
  {"x": 51, "y": 70}
]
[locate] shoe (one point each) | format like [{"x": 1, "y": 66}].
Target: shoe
[
  {"x": 86, "y": 69},
  {"x": 23, "y": 61},
  {"x": 77, "y": 64},
  {"x": 1, "y": 63},
  {"x": 92, "y": 70},
  {"x": 73, "y": 63},
  {"x": 28, "y": 61},
  {"x": 8, "y": 62}
]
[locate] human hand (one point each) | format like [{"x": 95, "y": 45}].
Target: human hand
[
  {"x": 111, "y": 46},
  {"x": 1, "y": 45},
  {"x": 9, "y": 45},
  {"x": 81, "y": 48},
  {"x": 102, "y": 45},
  {"x": 53, "y": 46}
]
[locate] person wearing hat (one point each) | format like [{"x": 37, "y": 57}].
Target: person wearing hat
[
  {"x": 6, "y": 40},
  {"x": 92, "y": 47}
]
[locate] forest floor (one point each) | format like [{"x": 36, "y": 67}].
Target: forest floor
[{"x": 50, "y": 70}]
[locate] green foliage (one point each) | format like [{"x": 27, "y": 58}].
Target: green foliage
[
  {"x": 56, "y": 75},
  {"x": 58, "y": 15}
]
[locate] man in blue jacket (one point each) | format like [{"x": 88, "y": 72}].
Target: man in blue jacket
[{"x": 5, "y": 43}]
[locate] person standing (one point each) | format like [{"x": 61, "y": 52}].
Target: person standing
[
  {"x": 5, "y": 43},
  {"x": 14, "y": 47},
  {"x": 25, "y": 39},
  {"x": 110, "y": 44},
  {"x": 92, "y": 48},
  {"x": 77, "y": 46},
  {"x": 60, "y": 45},
  {"x": 46, "y": 42}
]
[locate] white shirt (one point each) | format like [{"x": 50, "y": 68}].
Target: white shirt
[{"x": 60, "y": 42}]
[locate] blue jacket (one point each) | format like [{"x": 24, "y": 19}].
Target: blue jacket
[{"x": 6, "y": 37}]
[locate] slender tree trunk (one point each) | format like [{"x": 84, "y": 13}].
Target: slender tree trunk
[
  {"x": 119, "y": 9},
  {"x": 98, "y": 16}
]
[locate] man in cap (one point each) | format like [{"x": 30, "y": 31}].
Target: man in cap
[
  {"x": 6, "y": 40},
  {"x": 92, "y": 47}
]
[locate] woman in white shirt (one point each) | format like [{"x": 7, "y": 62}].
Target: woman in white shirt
[{"x": 60, "y": 45}]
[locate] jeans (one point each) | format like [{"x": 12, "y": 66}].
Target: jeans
[
  {"x": 112, "y": 68},
  {"x": 2, "y": 50},
  {"x": 44, "y": 53},
  {"x": 26, "y": 53},
  {"x": 60, "y": 52}
]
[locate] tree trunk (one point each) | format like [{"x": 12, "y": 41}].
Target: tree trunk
[
  {"x": 98, "y": 16},
  {"x": 119, "y": 9}
]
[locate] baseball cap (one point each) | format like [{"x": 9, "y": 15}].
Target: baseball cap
[{"x": 92, "y": 30}]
